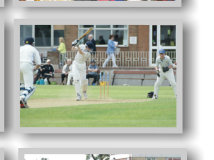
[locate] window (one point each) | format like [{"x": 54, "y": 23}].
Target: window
[
  {"x": 43, "y": 35},
  {"x": 58, "y": 32},
  {"x": 101, "y": 33},
  {"x": 168, "y": 35},
  {"x": 162, "y": 37},
  {"x": 154, "y": 35},
  {"x": 154, "y": 55},
  {"x": 102, "y": 36},
  {"x": 25, "y": 31}
]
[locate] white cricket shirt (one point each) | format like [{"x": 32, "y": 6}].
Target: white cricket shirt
[
  {"x": 29, "y": 54},
  {"x": 82, "y": 58}
]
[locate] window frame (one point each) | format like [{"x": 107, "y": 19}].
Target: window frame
[
  {"x": 159, "y": 46},
  {"x": 52, "y": 37},
  {"x": 111, "y": 29},
  {"x": 126, "y": 28}
]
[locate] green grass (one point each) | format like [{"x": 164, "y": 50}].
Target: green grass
[{"x": 158, "y": 113}]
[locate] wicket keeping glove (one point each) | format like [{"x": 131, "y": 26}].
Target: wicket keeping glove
[
  {"x": 158, "y": 73},
  {"x": 165, "y": 69}
]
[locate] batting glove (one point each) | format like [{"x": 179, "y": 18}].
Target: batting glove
[{"x": 75, "y": 42}]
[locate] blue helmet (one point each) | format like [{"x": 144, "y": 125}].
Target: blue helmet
[
  {"x": 162, "y": 51},
  {"x": 29, "y": 40},
  {"x": 89, "y": 44}
]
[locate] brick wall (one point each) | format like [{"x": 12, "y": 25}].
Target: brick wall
[{"x": 139, "y": 31}]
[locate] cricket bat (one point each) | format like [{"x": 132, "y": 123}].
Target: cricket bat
[
  {"x": 74, "y": 43},
  {"x": 87, "y": 32}
]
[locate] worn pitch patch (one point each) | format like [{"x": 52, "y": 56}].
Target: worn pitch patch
[{"x": 50, "y": 102}]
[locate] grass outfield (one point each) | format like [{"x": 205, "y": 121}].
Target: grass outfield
[{"x": 148, "y": 113}]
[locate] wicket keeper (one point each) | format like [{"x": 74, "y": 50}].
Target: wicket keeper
[{"x": 164, "y": 69}]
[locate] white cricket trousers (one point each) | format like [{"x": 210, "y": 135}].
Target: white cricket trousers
[
  {"x": 26, "y": 74},
  {"x": 169, "y": 75},
  {"x": 79, "y": 77},
  {"x": 70, "y": 75},
  {"x": 110, "y": 56}
]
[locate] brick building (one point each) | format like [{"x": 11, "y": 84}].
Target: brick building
[{"x": 138, "y": 44}]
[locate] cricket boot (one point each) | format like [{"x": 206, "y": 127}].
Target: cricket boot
[
  {"x": 155, "y": 97},
  {"x": 23, "y": 103},
  {"x": 78, "y": 97},
  {"x": 85, "y": 95}
]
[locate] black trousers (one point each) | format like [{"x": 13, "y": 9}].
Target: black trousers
[
  {"x": 94, "y": 76},
  {"x": 48, "y": 78},
  {"x": 63, "y": 76},
  {"x": 41, "y": 74}
]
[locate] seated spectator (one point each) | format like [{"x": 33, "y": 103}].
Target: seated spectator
[
  {"x": 45, "y": 72},
  {"x": 65, "y": 71},
  {"x": 93, "y": 72}
]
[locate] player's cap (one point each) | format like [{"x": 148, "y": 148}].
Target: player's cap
[
  {"x": 29, "y": 40},
  {"x": 162, "y": 51},
  {"x": 90, "y": 45},
  {"x": 48, "y": 60}
]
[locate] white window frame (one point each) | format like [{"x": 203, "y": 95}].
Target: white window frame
[
  {"x": 111, "y": 29},
  {"x": 52, "y": 37},
  {"x": 158, "y": 46}
]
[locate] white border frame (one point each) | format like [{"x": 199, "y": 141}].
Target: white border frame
[
  {"x": 113, "y": 130},
  {"x": 1, "y": 3},
  {"x": 153, "y": 152},
  {"x": 177, "y": 3},
  {"x": 1, "y": 154},
  {"x": 2, "y": 104}
]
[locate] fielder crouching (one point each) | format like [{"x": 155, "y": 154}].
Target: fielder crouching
[
  {"x": 164, "y": 69},
  {"x": 28, "y": 56},
  {"x": 79, "y": 68}
]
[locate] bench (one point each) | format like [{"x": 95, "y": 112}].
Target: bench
[{"x": 134, "y": 72}]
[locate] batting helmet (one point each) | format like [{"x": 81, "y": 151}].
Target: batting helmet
[
  {"x": 29, "y": 40},
  {"x": 90, "y": 45},
  {"x": 162, "y": 51}
]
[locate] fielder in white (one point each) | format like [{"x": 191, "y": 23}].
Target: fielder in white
[
  {"x": 28, "y": 56},
  {"x": 164, "y": 69},
  {"x": 79, "y": 69}
]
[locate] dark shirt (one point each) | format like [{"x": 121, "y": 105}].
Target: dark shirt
[
  {"x": 47, "y": 68},
  {"x": 94, "y": 43}
]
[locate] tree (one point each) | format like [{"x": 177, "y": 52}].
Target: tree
[{"x": 98, "y": 156}]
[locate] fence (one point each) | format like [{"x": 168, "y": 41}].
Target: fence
[{"x": 124, "y": 59}]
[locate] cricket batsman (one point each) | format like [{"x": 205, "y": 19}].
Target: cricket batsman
[
  {"x": 79, "y": 67},
  {"x": 28, "y": 57},
  {"x": 164, "y": 69}
]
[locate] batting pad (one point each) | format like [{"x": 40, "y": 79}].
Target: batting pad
[
  {"x": 77, "y": 86},
  {"x": 27, "y": 93},
  {"x": 84, "y": 84}
]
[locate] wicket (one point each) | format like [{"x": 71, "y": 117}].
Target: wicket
[{"x": 104, "y": 81}]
